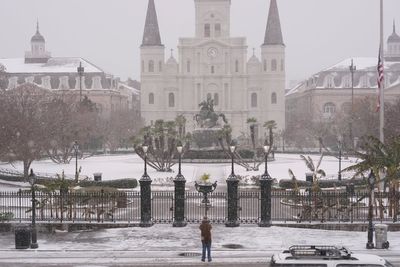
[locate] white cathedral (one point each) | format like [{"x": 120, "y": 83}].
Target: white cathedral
[{"x": 214, "y": 65}]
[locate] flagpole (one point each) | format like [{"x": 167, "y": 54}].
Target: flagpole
[{"x": 381, "y": 93}]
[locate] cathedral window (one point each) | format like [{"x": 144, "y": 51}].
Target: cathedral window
[
  {"x": 216, "y": 99},
  {"x": 254, "y": 100},
  {"x": 209, "y": 96},
  {"x": 273, "y": 98},
  {"x": 171, "y": 100},
  {"x": 273, "y": 65},
  {"x": 160, "y": 66},
  {"x": 237, "y": 66},
  {"x": 265, "y": 65},
  {"x": 217, "y": 30},
  {"x": 282, "y": 65},
  {"x": 188, "y": 66},
  {"x": 212, "y": 70},
  {"x": 151, "y": 99},
  {"x": 207, "y": 30},
  {"x": 151, "y": 66}
]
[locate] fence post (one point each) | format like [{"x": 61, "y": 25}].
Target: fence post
[
  {"x": 179, "y": 202},
  {"x": 232, "y": 184},
  {"x": 265, "y": 186},
  {"x": 145, "y": 201}
]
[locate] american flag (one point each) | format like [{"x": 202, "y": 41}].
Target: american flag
[{"x": 381, "y": 78}]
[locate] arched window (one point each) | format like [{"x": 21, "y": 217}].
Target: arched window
[
  {"x": 237, "y": 66},
  {"x": 329, "y": 109},
  {"x": 216, "y": 99},
  {"x": 151, "y": 99},
  {"x": 254, "y": 100},
  {"x": 217, "y": 30},
  {"x": 212, "y": 70},
  {"x": 160, "y": 66},
  {"x": 171, "y": 100},
  {"x": 209, "y": 96},
  {"x": 273, "y": 98},
  {"x": 188, "y": 66},
  {"x": 282, "y": 65},
  {"x": 151, "y": 66},
  {"x": 265, "y": 65},
  {"x": 207, "y": 30},
  {"x": 273, "y": 65}
]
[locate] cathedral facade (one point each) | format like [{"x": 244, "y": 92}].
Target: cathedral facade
[{"x": 215, "y": 65}]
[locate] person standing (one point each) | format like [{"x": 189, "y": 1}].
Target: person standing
[{"x": 205, "y": 228}]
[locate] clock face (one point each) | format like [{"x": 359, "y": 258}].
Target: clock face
[{"x": 212, "y": 52}]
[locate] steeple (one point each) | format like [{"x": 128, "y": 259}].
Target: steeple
[
  {"x": 394, "y": 38},
  {"x": 151, "y": 35},
  {"x": 37, "y": 37},
  {"x": 273, "y": 33}
]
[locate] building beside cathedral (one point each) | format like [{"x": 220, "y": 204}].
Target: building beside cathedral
[
  {"x": 213, "y": 64},
  {"x": 60, "y": 75},
  {"x": 330, "y": 91}
]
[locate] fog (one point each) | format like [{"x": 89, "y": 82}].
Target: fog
[{"x": 317, "y": 33}]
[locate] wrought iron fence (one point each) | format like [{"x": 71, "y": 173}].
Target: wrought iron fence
[{"x": 124, "y": 207}]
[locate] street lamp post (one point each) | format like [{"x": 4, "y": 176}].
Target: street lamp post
[
  {"x": 145, "y": 194},
  {"x": 179, "y": 181},
  {"x": 232, "y": 183},
  {"x": 265, "y": 186},
  {"x": 76, "y": 150},
  {"x": 340, "y": 146},
  {"x": 352, "y": 69},
  {"x": 32, "y": 181},
  {"x": 371, "y": 183},
  {"x": 80, "y": 70}
]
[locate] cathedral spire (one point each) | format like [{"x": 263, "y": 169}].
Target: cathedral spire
[
  {"x": 394, "y": 26},
  {"x": 273, "y": 33},
  {"x": 151, "y": 35}
]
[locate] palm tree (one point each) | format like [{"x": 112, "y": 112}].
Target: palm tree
[
  {"x": 381, "y": 158},
  {"x": 270, "y": 125},
  {"x": 252, "y": 124},
  {"x": 317, "y": 173}
]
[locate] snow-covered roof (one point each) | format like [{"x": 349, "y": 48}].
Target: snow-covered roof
[
  {"x": 53, "y": 65},
  {"x": 362, "y": 64},
  {"x": 134, "y": 90}
]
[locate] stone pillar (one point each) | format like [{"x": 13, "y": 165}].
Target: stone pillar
[
  {"x": 265, "y": 186},
  {"x": 179, "y": 207},
  {"x": 145, "y": 201},
  {"x": 232, "y": 183}
]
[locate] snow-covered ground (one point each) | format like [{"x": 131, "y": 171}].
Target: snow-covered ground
[
  {"x": 165, "y": 243},
  {"x": 131, "y": 166}
]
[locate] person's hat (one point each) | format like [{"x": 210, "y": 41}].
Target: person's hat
[{"x": 205, "y": 219}]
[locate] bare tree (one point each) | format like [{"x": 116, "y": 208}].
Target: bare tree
[{"x": 24, "y": 135}]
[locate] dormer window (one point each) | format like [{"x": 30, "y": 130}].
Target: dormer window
[
  {"x": 346, "y": 81},
  {"x": 329, "y": 82},
  {"x": 364, "y": 81}
]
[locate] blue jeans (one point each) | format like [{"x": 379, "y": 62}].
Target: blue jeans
[{"x": 206, "y": 246}]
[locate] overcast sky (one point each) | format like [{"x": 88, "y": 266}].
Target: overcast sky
[{"x": 317, "y": 33}]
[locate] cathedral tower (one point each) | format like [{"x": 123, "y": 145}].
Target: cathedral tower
[
  {"x": 273, "y": 66},
  {"x": 212, "y": 18},
  {"x": 152, "y": 63}
]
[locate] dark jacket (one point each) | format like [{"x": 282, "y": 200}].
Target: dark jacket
[{"x": 205, "y": 228}]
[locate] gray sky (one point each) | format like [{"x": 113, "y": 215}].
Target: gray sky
[{"x": 317, "y": 33}]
